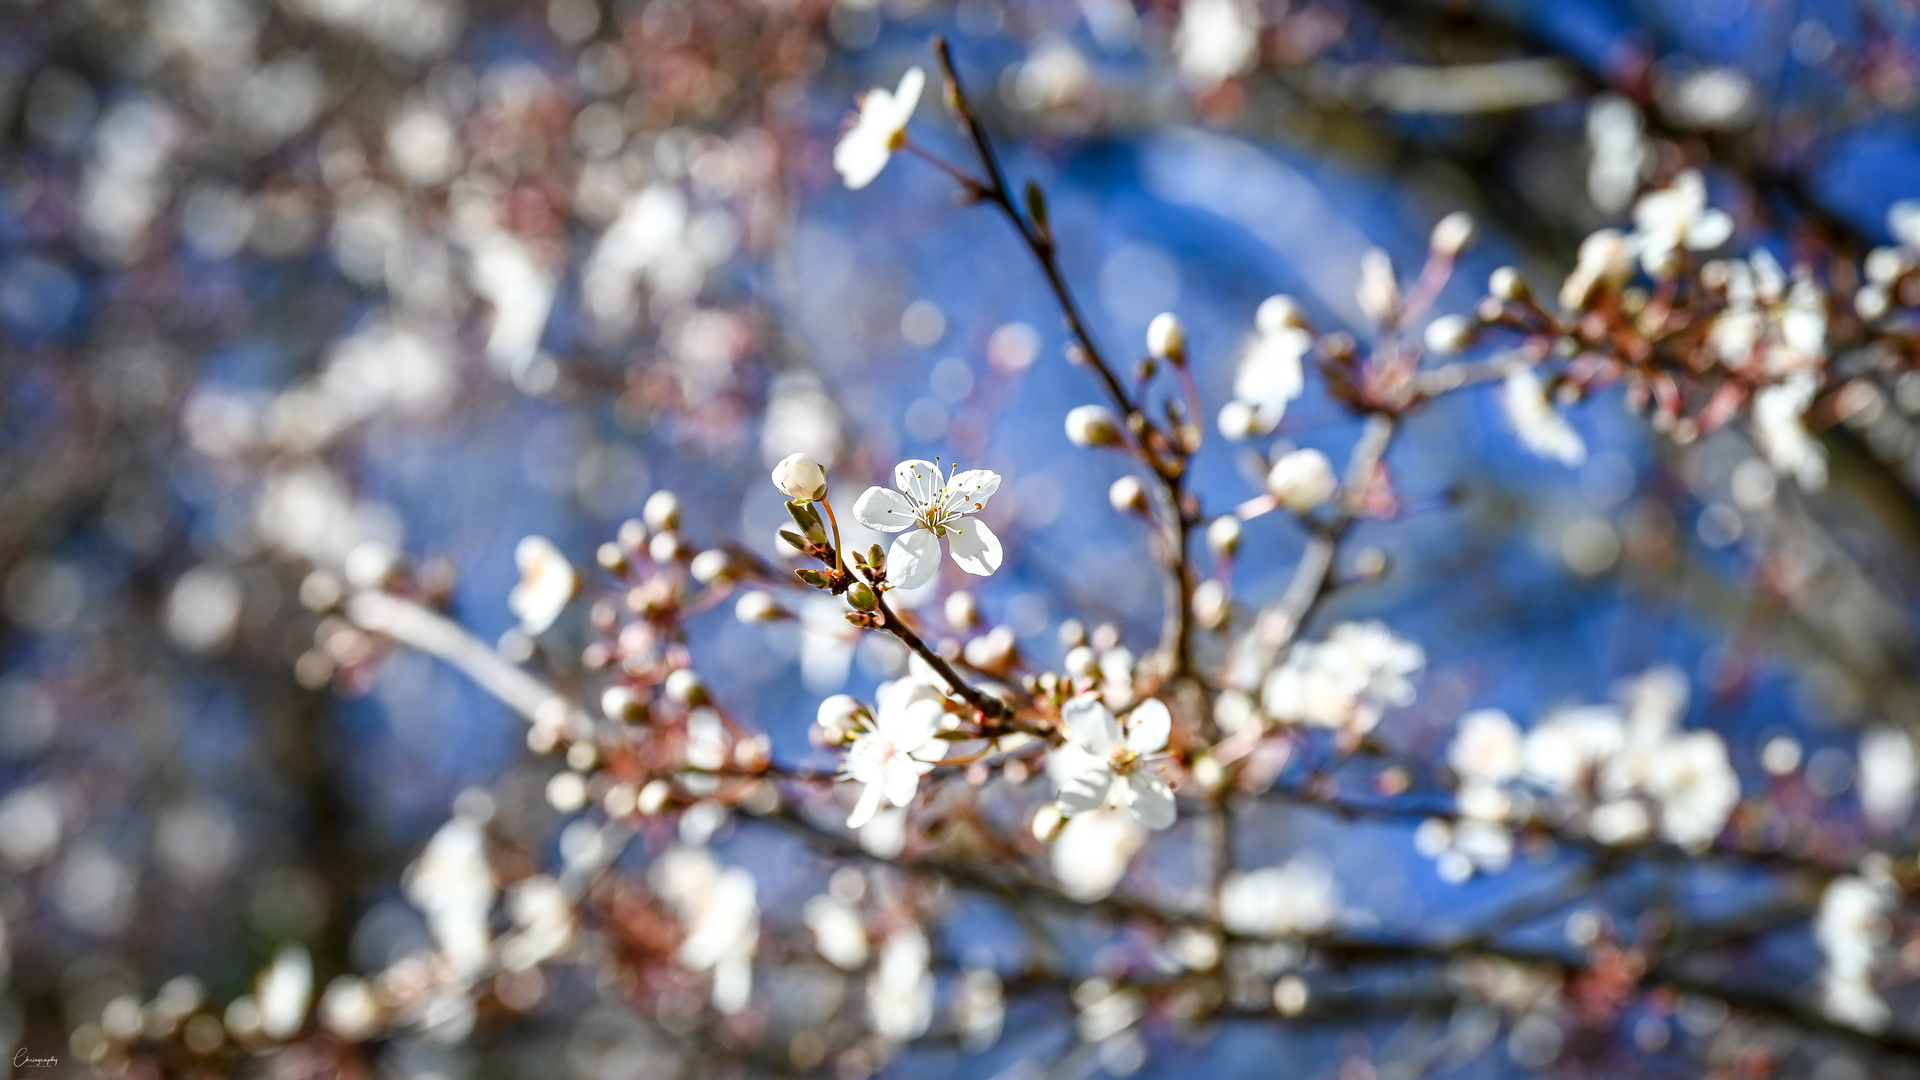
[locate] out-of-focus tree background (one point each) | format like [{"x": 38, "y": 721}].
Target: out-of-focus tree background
[{"x": 317, "y": 295}]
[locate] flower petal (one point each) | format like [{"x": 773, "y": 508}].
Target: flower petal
[
  {"x": 1091, "y": 725},
  {"x": 1150, "y": 799},
  {"x": 863, "y": 810},
  {"x": 974, "y": 547},
  {"x": 1148, "y": 727},
  {"x": 885, "y": 510},
  {"x": 1709, "y": 229},
  {"x": 920, "y": 479},
  {"x": 968, "y": 492},
  {"x": 913, "y": 559},
  {"x": 912, "y": 727},
  {"x": 860, "y": 155},
  {"x": 1087, "y": 790},
  {"x": 903, "y": 781},
  {"x": 907, "y": 97}
]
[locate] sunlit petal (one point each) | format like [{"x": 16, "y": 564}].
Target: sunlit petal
[
  {"x": 884, "y": 509},
  {"x": 1092, "y": 726},
  {"x": 913, "y": 559},
  {"x": 918, "y": 478},
  {"x": 975, "y": 548},
  {"x": 1151, "y": 799},
  {"x": 1148, "y": 727}
]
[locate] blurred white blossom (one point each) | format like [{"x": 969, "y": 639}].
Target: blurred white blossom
[
  {"x": 1345, "y": 681},
  {"x": 1103, "y": 764},
  {"x": 878, "y": 130}
]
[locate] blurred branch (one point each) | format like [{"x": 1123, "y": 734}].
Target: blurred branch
[{"x": 413, "y": 625}]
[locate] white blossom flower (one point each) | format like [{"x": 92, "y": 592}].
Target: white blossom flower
[
  {"x": 1488, "y": 747},
  {"x": 1605, "y": 259},
  {"x": 1777, "y": 426},
  {"x": 800, "y": 477},
  {"x": 283, "y": 991},
  {"x": 452, "y": 885},
  {"x": 1619, "y": 152},
  {"x": 885, "y": 836},
  {"x": 1091, "y": 852},
  {"x": 1903, "y": 221},
  {"x": 1270, "y": 372},
  {"x": 1299, "y": 897},
  {"x": 1565, "y": 750},
  {"x": 980, "y": 1009},
  {"x": 1344, "y": 681},
  {"x": 1677, "y": 217},
  {"x": 1302, "y": 480},
  {"x": 1696, "y": 787},
  {"x": 1216, "y": 40},
  {"x": 720, "y": 908},
  {"x": 1803, "y": 329},
  {"x": 547, "y": 583},
  {"x": 878, "y": 130},
  {"x": 1104, "y": 763},
  {"x": 349, "y": 1009},
  {"x": 927, "y": 508},
  {"x": 900, "y": 993},
  {"x": 1541, "y": 427},
  {"x": 837, "y": 931},
  {"x": 1889, "y": 772},
  {"x": 902, "y": 746},
  {"x": 1852, "y": 930},
  {"x": 543, "y": 919},
  {"x": 1621, "y": 821}
]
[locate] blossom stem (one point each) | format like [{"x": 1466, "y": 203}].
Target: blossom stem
[
  {"x": 959, "y": 175},
  {"x": 839, "y": 552}
]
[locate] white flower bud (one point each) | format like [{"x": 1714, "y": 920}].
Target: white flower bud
[
  {"x": 684, "y": 687},
  {"x": 662, "y": 511},
  {"x": 1092, "y": 425},
  {"x": 1277, "y": 313},
  {"x": 1302, "y": 480},
  {"x": 1884, "y": 264},
  {"x": 710, "y": 566},
  {"x": 653, "y": 798},
  {"x": 839, "y": 718},
  {"x": 1453, "y": 235},
  {"x": 1128, "y": 495},
  {"x": 1223, "y": 536},
  {"x": 991, "y": 651},
  {"x": 1507, "y": 284},
  {"x": 1210, "y": 604},
  {"x": 665, "y": 547},
  {"x": 1167, "y": 338},
  {"x": 1448, "y": 334},
  {"x": 757, "y": 605},
  {"x": 1239, "y": 421},
  {"x": 800, "y": 477},
  {"x": 370, "y": 565},
  {"x": 1378, "y": 293},
  {"x": 619, "y": 702},
  {"x": 1082, "y": 662},
  {"x": 1871, "y": 302},
  {"x": 962, "y": 610}
]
